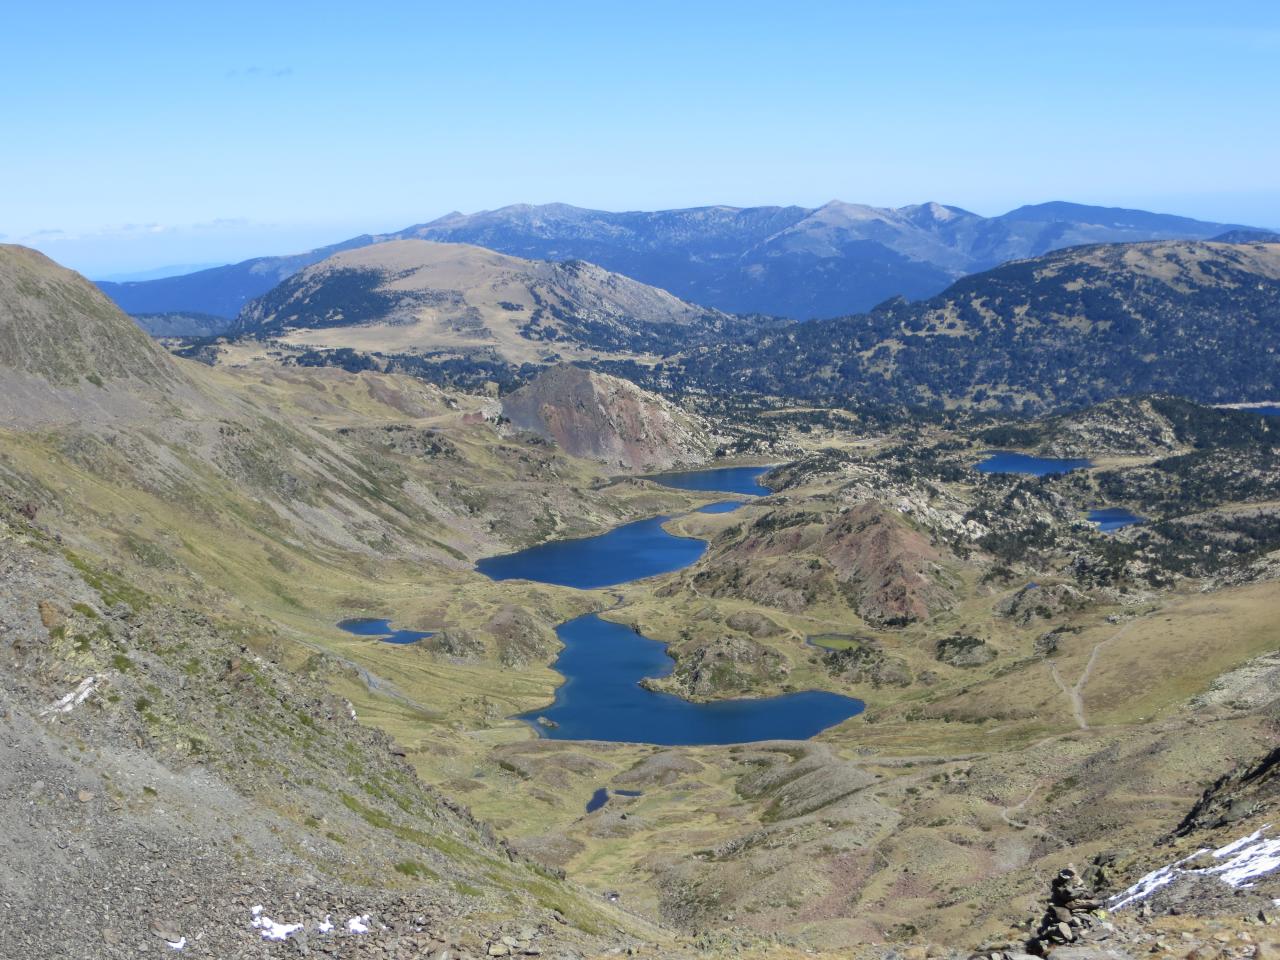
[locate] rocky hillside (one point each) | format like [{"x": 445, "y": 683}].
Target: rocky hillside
[
  {"x": 1128, "y": 426},
  {"x": 1124, "y": 319},
  {"x": 221, "y": 798},
  {"x": 865, "y": 556},
  {"x": 68, "y": 353},
  {"x": 55, "y": 325},
  {"x": 793, "y": 261},
  {"x": 606, "y": 418},
  {"x": 431, "y": 299}
]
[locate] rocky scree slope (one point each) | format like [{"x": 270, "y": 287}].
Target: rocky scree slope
[{"x": 865, "y": 555}]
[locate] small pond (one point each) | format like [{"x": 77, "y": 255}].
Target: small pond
[
  {"x": 382, "y": 629},
  {"x": 1110, "y": 519},
  {"x": 1004, "y": 461},
  {"x": 601, "y": 797}
]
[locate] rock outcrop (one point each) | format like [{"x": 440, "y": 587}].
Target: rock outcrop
[
  {"x": 962, "y": 650},
  {"x": 1044, "y": 601},
  {"x": 723, "y": 665},
  {"x": 1071, "y": 914},
  {"x": 866, "y": 555},
  {"x": 601, "y": 417}
]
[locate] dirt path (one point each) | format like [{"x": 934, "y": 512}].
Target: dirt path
[
  {"x": 1075, "y": 694},
  {"x": 1007, "y": 816}
]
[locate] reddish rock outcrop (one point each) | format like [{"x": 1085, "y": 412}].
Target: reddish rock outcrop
[
  {"x": 594, "y": 415},
  {"x": 867, "y": 554}
]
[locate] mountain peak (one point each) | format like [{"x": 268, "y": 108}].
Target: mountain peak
[
  {"x": 935, "y": 212},
  {"x": 66, "y": 351},
  {"x": 56, "y": 325}
]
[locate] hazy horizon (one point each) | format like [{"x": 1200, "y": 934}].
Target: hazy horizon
[{"x": 246, "y": 241}]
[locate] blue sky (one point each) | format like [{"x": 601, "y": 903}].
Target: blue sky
[{"x": 143, "y": 134}]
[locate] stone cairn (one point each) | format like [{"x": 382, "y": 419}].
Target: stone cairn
[{"x": 1072, "y": 913}]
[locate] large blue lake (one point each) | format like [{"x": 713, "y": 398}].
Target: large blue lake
[
  {"x": 629, "y": 552},
  {"x": 632, "y": 551},
  {"x": 601, "y": 698},
  {"x": 603, "y": 663},
  {"x": 1003, "y": 461}
]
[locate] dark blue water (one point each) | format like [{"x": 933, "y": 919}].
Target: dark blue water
[
  {"x": 598, "y": 800},
  {"x": 723, "y": 506},
  {"x": 382, "y": 630},
  {"x": 601, "y": 698},
  {"x": 630, "y": 552},
  {"x": 1270, "y": 410},
  {"x": 601, "y": 797},
  {"x": 1109, "y": 519},
  {"x": 1002, "y": 461},
  {"x": 721, "y": 480}
]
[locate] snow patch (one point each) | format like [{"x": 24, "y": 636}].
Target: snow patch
[
  {"x": 274, "y": 930},
  {"x": 271, "y": 930},
  {"x": 73, "y": 699},
  {"x": 1242, "y": 862},
  {"x": 358, "y": 924}
]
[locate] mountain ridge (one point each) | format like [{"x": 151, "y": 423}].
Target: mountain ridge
[{"x": 799, "y": 262}]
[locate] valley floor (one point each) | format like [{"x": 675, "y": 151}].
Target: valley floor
[{"x": 235, "y": 748}]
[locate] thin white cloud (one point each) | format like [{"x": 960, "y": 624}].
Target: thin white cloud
[
  {"x": 48, "y": 234},
  {"x": 130, "y": 230}
]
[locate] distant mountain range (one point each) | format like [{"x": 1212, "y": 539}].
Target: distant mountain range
[
  {"x": 159, "y": 273},
  {"x": 795, "y": 262}
]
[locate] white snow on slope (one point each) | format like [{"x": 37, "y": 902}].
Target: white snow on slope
[
  {"x": 73, "y": 699},
  {"x": 274, "y": 930},
  {"x": 271, "y": 930},
  {"x": 1242, "y": 862}
]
